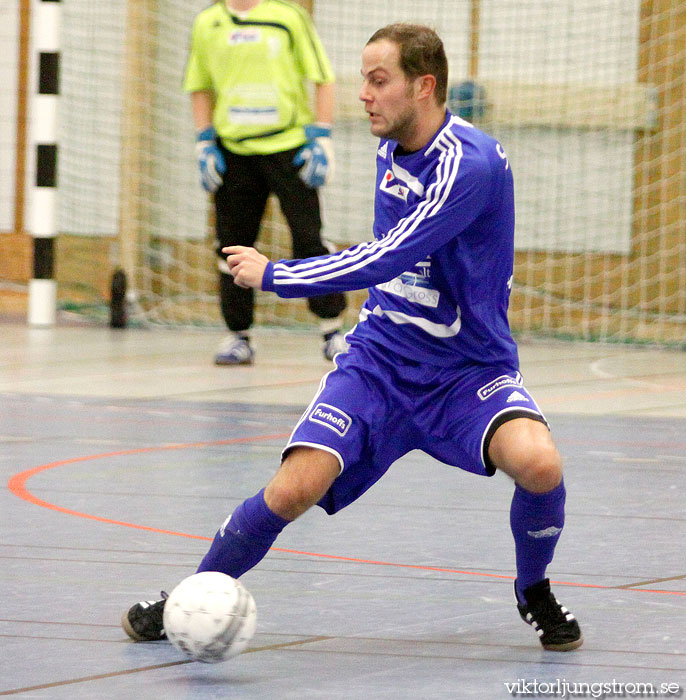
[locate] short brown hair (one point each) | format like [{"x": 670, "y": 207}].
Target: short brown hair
[{"x": 421, "y": 53}]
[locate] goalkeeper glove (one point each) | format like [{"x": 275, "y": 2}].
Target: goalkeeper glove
[
  {"x": 210, "y": 159},
  {"x": 316, "y": 156}
]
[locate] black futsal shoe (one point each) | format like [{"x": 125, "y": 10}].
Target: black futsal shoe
[
  {"x": 143, "y": 622},
  {"x": 557, "y": 628}
]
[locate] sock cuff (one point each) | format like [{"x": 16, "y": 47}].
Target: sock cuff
[
  {"x": 255, "y": 519},
  {"x": 557, "y": 494},
  {"x": 276, "y": 522}
]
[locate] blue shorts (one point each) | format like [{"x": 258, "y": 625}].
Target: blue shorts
[{"x": 372, "y": 409}]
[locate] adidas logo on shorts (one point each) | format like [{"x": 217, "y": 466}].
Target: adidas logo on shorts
[{"x": 516, "y": 396}]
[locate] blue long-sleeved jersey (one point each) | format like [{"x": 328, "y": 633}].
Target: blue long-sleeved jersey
[{"x": 439, "y": 269}]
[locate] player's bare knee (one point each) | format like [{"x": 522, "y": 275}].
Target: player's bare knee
[
  {"x": 304, "y": 477},
  {"x": 288, "y": 500},
  {"x": 540, "y": 471},
  {"x": 524, "y": 450}
]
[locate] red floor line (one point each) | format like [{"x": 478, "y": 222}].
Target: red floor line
[
  {"x": 468, "y": 573},
  {"x": 17, "y": 485}
]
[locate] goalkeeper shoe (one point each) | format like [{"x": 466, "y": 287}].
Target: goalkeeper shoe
[
  {"x": 557, "y": 628},
  {"x": 143, "y": 621},
  {"x": 234, "y": 350},
  {"x": 333, "y": 344}
]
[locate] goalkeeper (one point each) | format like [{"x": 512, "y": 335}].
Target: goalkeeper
[
  {"x": 248, "y": 72},
  {"x": 432, "y": 364}
]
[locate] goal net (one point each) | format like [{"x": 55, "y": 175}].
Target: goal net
[{"x": 586, "y": 97}]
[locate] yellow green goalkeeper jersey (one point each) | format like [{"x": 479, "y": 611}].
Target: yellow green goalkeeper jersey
[{"x": 258, "y": 65}]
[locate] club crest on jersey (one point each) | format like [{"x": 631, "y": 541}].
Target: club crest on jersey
[
  {"x": 331, "y": 417},
  {"x": 502, "y": 382},
  {"x": 391, "y": 185},
  {"x": 244, "y": 36}
]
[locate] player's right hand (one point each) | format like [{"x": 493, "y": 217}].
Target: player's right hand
[
  {"x": 246, "y": 265},
  {"x": 210, "y": 159}
]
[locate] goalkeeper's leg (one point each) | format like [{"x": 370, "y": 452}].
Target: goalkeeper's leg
[
  {"x": 239, "y": 206},
  {"x": 301, "y": 208}
]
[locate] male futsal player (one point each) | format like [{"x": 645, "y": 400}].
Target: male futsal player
[{"x": 432, "y": 364}]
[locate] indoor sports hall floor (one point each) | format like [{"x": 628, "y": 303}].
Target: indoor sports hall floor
[{"x": 123, "y": 451}]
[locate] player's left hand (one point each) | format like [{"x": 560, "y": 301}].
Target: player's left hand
[
  {"x": 315, "y": 158},
  {"x": 246, "y": 265}
]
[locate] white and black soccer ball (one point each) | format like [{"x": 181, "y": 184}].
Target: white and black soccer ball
[{"x": 210, "y": 617}]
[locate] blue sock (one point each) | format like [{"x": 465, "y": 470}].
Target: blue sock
[
  {"x": 244, "y": 539},
  {"x": 536, "y": 520}
]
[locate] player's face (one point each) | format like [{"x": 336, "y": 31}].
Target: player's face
[{"x": 388, "y": 95}]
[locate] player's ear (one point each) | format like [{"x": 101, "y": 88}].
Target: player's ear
[{"x": 425, "y": 86}]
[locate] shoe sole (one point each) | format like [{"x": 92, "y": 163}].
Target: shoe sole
[
  {"x": 567, "y": 646},
  {"x": 223, "y": 363}
]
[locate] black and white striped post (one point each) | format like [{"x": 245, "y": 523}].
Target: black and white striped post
[{"x": 42, "y": 218}]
